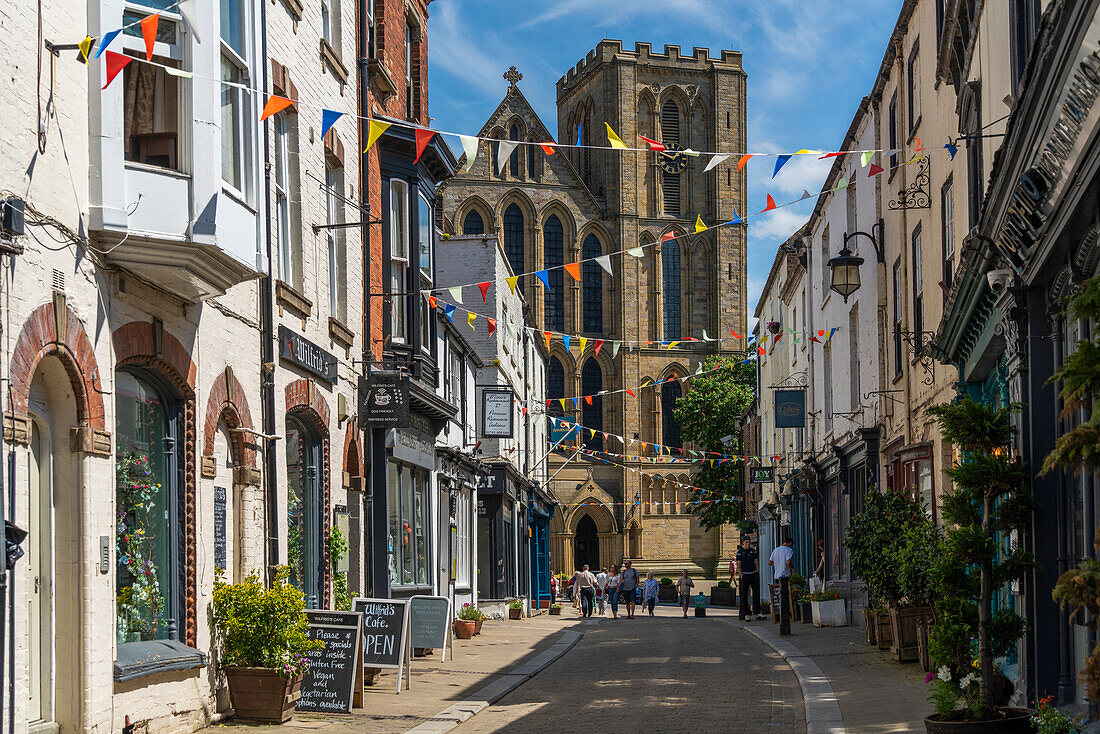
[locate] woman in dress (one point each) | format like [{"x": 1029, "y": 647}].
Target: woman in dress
[
  {"x": 613, "y": 581},
  {"x": 650, "y": 589}
]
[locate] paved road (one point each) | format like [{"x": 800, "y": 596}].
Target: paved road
[{"x": 665, "y": 674}]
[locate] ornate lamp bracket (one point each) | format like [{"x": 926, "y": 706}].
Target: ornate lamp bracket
[
  {"x": 917, "y": 194},
  {"x": 917, "y": 341}
]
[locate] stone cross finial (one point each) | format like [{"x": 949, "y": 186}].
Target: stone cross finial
[{"x": 512, "y": 76}]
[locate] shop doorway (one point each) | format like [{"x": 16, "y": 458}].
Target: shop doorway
[
  {"x": 304, "y": 518},
  {"x": 39, "y": 570},
  {"x": 586, "y": 544}
]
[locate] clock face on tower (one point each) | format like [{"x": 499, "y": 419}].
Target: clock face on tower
[{"x": 673, "y": 159}]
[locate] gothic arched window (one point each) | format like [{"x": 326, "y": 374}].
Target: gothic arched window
[
  {"x": 592, "y": 279},
  {"x": 586, "y": 141},
  {"x": 555, "y": 385},
  {"x": 670, "y": 271},
  {"x": 554, "y": 242},
  {"x": 670, "y": 427},
  {"x": 473, "y": 224},
  {"x": 513, "y": 239},
  {"x": 592, "y": 415},
  {"x": 513, "y": 160}
]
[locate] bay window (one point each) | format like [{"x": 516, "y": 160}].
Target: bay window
[
  {"x": 234, "y": 91},
  {"x": 399, "y": 257},
  {"x": 152, "y": 99}
]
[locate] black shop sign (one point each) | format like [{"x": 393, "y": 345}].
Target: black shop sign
[
  {"x": 329, "y": 682},
  {"x": 762, "y": 474},
  {"x": 384, "y": 400},
  {"x": 303, "y": 353}
]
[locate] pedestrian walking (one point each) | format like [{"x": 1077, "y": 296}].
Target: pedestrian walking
[
  {"x": 684, "y": 585},
  {"x": 747, "y": 566},
  {"x": 733, "y": 569},
  {"x": 817, "y": 581},
  {"x": 629, "y": 583},
  {"x": 782, "y": 567},
  {"x": 649, "y": 597},
  {"x": 601, "y": 591},
  {"x": 613, "y": 581},
  {"x": 586, "y": 584}
]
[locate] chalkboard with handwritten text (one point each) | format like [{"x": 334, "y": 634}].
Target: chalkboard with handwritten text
[{"x": 329, "y": 682}]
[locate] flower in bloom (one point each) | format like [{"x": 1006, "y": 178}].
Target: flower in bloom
[
  {"x": 928, "y": 678},
  {"x": 968, "y": 679}
]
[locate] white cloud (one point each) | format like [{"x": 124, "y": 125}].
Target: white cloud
[{"x": 775, "y": 226}]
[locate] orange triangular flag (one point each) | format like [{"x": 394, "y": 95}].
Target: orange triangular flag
[
  {"x": 588, "y": 399},
  {"x": 432, "y": 301},
  {"x": 668, "y": 236},
  {"x": 743, "y": 160},
  {"x": 115, "y": 63},
  {"x": 771, "y": 203},
  {"x": 484, "y": 288},
  {"x": 546, "y": 336},
  {"x": 547, "y": 148},
  {"x": 574, "y": 269},
  {"x": 423, "y": 137},
  {"x": 149, "y": 30},
  {"x": 275, "y": 104}
]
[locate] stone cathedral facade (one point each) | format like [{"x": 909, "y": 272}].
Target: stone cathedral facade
[{"x": 577, "y": 203}]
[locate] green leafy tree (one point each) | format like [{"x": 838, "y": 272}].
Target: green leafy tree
[
  {"x": 990, "y": 498},
  {"x": 876, "y": 539},
  {"x": 707, "y": 414}
]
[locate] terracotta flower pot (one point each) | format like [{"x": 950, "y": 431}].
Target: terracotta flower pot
[
  {"x": 464, "y": 628},
  {"x": 261, "y": 694},
  {"x": 477, "y": 626},
  {"x": 1009, "y": 721}
]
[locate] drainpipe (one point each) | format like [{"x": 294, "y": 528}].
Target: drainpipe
[
  {"x": 370, "y": 450},
  {"x": 267, "y": 345}
]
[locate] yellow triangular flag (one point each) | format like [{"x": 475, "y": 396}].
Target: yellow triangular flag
[
  {"x": 374, "y": 131},
  {"x": 584, "y": 340},
  {"x": 512, "y": 283},
  {"x": 562, "y": 401},
  {"x": 699, "y": 226},
  {"x": 613, "y": 138},
  {"x": 85, "y": 47},
  {"x": 592, "y": 431},
  {"x": 470, "y": 320}
]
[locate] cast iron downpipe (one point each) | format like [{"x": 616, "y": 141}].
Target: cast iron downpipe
[{"x": 267, "y": 346}]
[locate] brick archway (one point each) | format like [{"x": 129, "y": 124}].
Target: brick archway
[
  {"x": 44, "y": 334},
  {"x": 147, "y": 344},
  {"x": 227, "y": 402},
  {"x": 302, "y": 399}
]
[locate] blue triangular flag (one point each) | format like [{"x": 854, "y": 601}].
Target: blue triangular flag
[
  {"x": 565, "y": 341},
  {"x": 450, "y": 309},
  {"x": 952, "y": 149},
  {"x": 544, "y": 277},
  {"x": 328, "y": 119},
  {"x": 574, "y": 403},
  {"x": 736, "y": 218},
  {"x": 107, "y": 38},
  {"x": 779, "y": 161}
]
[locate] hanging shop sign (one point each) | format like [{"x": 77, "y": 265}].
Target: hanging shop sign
[
  {"x": 496, "y": 413},
  {"x": 790, "y": 408},
  {"x": 412, "y": 446},
  {"x": 384, "y": 400},
  {"x": 303, "y": 353},
  {"x": 329, "y": 682},
  {"x": 762, "y": 474},
  {"x": 562, "y": 429}
]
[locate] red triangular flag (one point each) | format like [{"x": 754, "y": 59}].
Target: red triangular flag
[
  {"x": 771, "y": 203},
  {"x": 423, "y": 137},
  {"x": 631, "y": 393},
  {"x": 547, "y": 148},
  {"x": 432, "y": 301},
  {"x": 874, "y": 170},
  {"x": 830, "y": 155},
  {"x": 668, "y": 236},
  {"x": 115, "y": 64},
  {"x": 149, "y": 30},
  {"x": 493, "y": 327},
  {"x": 653, "y": 144},
  {"x": 821, "y": 332},
  {"x": 599, "y": 343},
  {"x": 735, "y": 334},
  {"x": 815, "y": 339},
  {"x": 588, "y": 399},
  {"x": 275, "y": 104},
  {"x": 761, "y": 351},
  {"x": 484, "y": 288},
  {"x": 525, "y": 411}
]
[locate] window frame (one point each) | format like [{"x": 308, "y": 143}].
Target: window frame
[
  {"x": 281, "y": 188},
  {"x": 332, "y": 181},
  {"x": 555, "y": 316},
  {"x": 670, "y": 276},
  {"x": 416, "y": 517},
  {"x": 592, "y": 290},
  {"x": 917, "y": 248},
  {"x": 912, "y": 90},
  {"x": 173, "y": 54},
  {"x": 896, "y": 288},
  {"x": 399, "y": 258},
  {"x": 892, "y": 131},
  {"x": 947, "y": 233}
]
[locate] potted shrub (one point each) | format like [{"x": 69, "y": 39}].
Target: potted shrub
[
  {"x": 515, "y": 609},
  {"x": 262, "y": 635},
  {"x": 917, "y": 555},
  {"x": 723, "y": 595},
  {"x": 988, "y": 501},
  {"x": 466, "y": 621},
  {"x": 555, "y": 609},
  {"x": 666, "y": 591},
  {"x": 827, "y": 608}
]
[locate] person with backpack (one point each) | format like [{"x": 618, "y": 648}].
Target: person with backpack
[{"x": 627, "y": 587}]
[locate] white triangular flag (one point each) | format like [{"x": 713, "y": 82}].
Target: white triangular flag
[
  {"x": 456, "y": 293},
  {"x": 715, "y": 160},
  {"x": 186, "y": 8},
  {"x": 605, "y": 262},
  {"x": 614, "y": 349},
  {"x": 504, "y": 149},
  {"x": 469, "y": 147}
]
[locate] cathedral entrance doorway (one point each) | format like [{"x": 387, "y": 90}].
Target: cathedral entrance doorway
[{"x": 586, "y": 545}]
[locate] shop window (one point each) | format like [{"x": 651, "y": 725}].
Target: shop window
[
  {"x": 407, "y": 541},
  {"x": 462, "y": 540},
  {"x": 304, "y": 509},
  {"x": 148, "y": 495}
]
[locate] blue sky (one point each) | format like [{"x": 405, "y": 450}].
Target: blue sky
[{"x": 809, "y": 62}]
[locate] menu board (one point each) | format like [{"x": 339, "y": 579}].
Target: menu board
[
  {"x": 219, "y": 527},
  {"x": 384, "y": 630},
  {"x": 329, "y": 682},
  {"x": 429, "y": 621}
]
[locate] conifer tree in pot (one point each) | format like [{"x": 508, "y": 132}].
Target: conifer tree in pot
[
  {"x": 990, "y": 499},
  {"x": 262, "y": 636}
]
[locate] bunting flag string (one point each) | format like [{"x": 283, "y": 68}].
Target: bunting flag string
[{"x": 656, "y": 448}]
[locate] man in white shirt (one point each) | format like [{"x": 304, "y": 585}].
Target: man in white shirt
[
  {"x": 586, "y": 584},
  {"x": 782, "y": 567},
  {"x": 601, "y": 591}
]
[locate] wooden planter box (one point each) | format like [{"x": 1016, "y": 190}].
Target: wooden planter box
[
  {"x": 869, "y": 625},
  {"x": 903, "y": 624},
  {"x": 261, "y": 694},
  {"x": 666, "y": 593},
  {"x": 515, "y": 613},
  {"x": 884, "y": 633},
  {"x": 924, "y": 626},
  {"x": 555, "y": 611},
  {"x": 723, "y": 597},
  {"x": 829, "y": 613}
]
